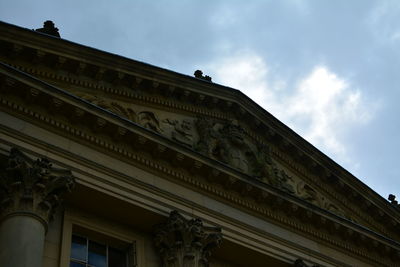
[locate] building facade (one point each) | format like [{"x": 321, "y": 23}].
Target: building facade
[{"x": 107, "y": 161}]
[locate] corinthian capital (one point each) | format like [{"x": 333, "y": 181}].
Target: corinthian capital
[
  {"x": 183, "y": 242},
  {"x": 31, "y": 187}
]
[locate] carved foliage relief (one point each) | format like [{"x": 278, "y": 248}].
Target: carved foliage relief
[
  {"x": 183, "y": 242},
  {"x": 31, "y": 186},
  {"x": 222, "y": 140}
]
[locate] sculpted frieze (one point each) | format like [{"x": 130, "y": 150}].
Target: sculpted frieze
[
  {"x": 223, "y": 140},
  {"x": 149, "y": 120},
  {"x": 180, "y": 131},
  {"x": 111, "y": 106}
]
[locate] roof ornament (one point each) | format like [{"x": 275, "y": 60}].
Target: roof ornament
[
  {"x": 393, "y": 201},
  {"x": 199, "y": 75},
  {"x": 49, "y": 28}
]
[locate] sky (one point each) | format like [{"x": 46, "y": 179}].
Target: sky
[{"x": 330, "y": 70}]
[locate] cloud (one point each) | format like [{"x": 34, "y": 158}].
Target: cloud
[
  {"x": 245, "y": 71},
  {"x": 326, "y": 107},
  {"x": 321, "y": 106}
]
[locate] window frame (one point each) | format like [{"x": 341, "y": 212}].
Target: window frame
[
  {"x": 107, "y": 245},
  {"x": 73, "y": 223}
]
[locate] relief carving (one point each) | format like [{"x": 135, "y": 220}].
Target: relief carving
[
  {"x": 281, "y": 180},
  {"x": 227, "y": 142},
  {"x": 149, "y": 120},
  {"x": 182, "y": 131},
  {"x": 307, "y": 193},
  {"x": 221, "y": 140},
  {"x": 183, "y": 242},
  {"x": 111, "y": 106}
]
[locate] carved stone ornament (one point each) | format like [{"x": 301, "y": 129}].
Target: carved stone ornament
[
  {"x": 49, "y": 28},
  {"x": 393, "y": 201},
  {"x": 31, "y": 187},
  {"x": 199, "y": 75},
  {"x": 228, "y": 142},
  {"x": 182, "y": 242},
  {"x": 181, "y": 131},
  {"x": 223, "y": 140}
]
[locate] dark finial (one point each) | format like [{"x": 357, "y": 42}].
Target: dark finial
[
  {"x": 49, "y": 28},
  {"x": 199, "y": 74},
  {"x": 392, "y": 199}
]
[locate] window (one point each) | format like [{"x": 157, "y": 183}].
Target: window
[
  {"x": 91, "y": 241},
  {"x": 95, "y": 253}
]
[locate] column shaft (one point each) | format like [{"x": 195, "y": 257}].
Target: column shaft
[{"x": 21, "y": 242}]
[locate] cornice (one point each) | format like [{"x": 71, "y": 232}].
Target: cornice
[
  {"x": 133, "y": 95},
  {"x": 240, "y": 190},
  {"x": 327, "y": 191}
]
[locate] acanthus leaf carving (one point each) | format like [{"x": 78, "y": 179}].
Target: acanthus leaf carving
[
  {"x": 32, "y": 186},
  {"x": 183, "y": 242}
]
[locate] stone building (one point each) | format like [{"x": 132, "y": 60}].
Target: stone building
[{"x": 107, "y": 161}]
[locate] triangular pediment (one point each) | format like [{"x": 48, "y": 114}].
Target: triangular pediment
[{"x": 215, "y": 125}]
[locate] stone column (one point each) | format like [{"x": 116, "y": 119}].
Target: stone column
[
  {"x": 185, "y": 243},
  {"x": 30, "y": 191}
]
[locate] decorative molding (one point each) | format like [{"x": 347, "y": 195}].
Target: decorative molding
[
  {"x": 121, "y": 93},
  {"x": 32, "y": 187},
  {"x": 183, "y": 242},
  {"x": 327, "y": 190}
]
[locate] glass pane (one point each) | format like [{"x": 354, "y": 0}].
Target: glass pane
[
  {"x": 116, "y": 258},
  {"x": 78, "y": 248},
  {"x": 97, "y": 254},
  {"x": 75, "y": 264}
]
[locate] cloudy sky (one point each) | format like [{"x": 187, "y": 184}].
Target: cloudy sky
[{"x": 330, "y": 70}]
